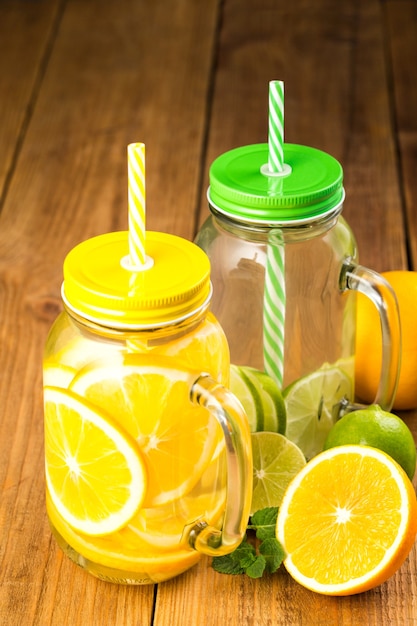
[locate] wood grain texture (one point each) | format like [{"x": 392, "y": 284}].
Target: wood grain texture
[
  {"x": 401, "y": 24},
  {"x": 117, "y": 73},
  {"x": 332, "y": 60},
  {"x": 79, "y": 80},
  {"x": 27, "y": 31}
]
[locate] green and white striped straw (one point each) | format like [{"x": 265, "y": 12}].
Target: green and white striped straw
[
  {"x": 274, "y": 307},
  {"x": 276, "y": 126},
  {"x": 274, "y": 290}
]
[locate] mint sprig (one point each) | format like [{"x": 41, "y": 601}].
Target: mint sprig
[{"x": 252, "y": 558}]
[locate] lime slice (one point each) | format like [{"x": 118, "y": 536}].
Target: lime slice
[
  {"x": 260, "y": 397},
  {"x": 276, "y": 461},
  {"x": 313, "y": 405},
  {"x": 245, "y": 391},
  {"x": 273, "y": 405}
]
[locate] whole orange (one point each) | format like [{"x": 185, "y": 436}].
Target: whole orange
[{"x": 369, "y": 342}]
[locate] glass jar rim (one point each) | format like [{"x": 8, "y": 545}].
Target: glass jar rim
[{"x": 265, "y": 224}]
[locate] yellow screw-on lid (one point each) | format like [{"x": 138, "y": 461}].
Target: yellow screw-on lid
[{"x": 100, "y": 285}]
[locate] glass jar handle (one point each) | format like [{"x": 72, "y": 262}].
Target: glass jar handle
[
  {"x": 377, "y": 289},
  {"x": 224, "y": 406}
]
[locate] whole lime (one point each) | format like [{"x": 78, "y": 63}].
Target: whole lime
[{"x": 379, "y": 429}]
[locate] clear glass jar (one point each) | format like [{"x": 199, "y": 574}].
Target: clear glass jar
[
  {"x": 285, "y": 275},
  {"x": 148, "y": 457}
]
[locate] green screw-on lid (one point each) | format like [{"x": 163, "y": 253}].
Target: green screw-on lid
[{"x": 310, "y": 186}]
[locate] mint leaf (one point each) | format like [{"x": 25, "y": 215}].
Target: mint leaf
[
  {"x": 272, "y": 550},
  {"x": 257, "y": 568},
  {"x": 227, "y": 565},
  {"x": 264, "y": 522},
  {"x": 246, "y": 559},
  {"x": 237, "y": 562},
  {"x": 244, "y": 550}
]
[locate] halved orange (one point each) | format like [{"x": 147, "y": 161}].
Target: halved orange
[{"x": 347, "y": 521}]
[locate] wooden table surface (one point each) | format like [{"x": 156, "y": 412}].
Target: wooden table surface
[{"x": 79, "y": 80}]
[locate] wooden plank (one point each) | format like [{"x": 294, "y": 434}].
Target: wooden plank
[
  {"x": 331, "y": 57},
  {"x": 138, "y": 72},
  {"x": 401, "y": 28},
  {"x": 71, "y": 596},
  {"x": 401, "y": 20},
  {"x": 116, "y": 86},
  {"x": 202, "y": 596},
  {"x": 26, "y": 30}
]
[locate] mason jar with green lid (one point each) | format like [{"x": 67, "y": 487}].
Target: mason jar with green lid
[{"x": 285, "y": 275}]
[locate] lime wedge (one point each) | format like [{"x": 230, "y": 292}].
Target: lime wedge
[
  {"x": 249, "y": 397},
  {"x": 276, "y": 460},
  {"x": 273, "y": 405},
  {"x": 313, "y": 405},
  {"x": 260, "y": 397}
]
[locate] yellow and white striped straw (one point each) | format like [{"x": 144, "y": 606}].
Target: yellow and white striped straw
[{"x": 137, "y": 203}]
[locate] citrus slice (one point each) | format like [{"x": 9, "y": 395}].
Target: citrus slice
[
  {"x": 276, "y": 461},
  {"x": 161, "y": 529},
  {"x": 165, "y": 528},
  {"x": 313, "y": 404},
  {"x": 260, "y": 397},
  {"x": 57, "y": 375},
  {"x": 273, "y": 405},
  {"x": 115, "y": 560},
  {"x": 249, "y": 396},
  {"x": 347, "y": 521},
  {"x": 76, "y": 351},
  {"x": 94, "y": 472},
  {"x": 150, "y": 399},
  {"x": 194, "y": 350}
]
